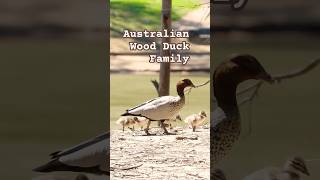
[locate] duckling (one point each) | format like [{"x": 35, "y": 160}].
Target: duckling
[
  {"x": 195, "y": 120},
  {"x": 225, "y": 120},
  {"x": 292, "y": 170},
  {"x": 169, "y": 122},
  {"x": 127, "y": 122},
  {"x": 161, "y": 108},
  {"x": 141, "y": 121}
]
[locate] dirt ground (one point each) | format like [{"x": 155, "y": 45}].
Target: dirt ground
[{"x": 185, "y": 155}]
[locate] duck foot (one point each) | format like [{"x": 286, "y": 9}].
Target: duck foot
[
  {"x": 169, "y": 133},
  {"x": 147, "y": 133},
  {"x": 164, "y": 128}
]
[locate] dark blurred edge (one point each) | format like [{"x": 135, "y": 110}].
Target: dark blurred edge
[
  {"x": 211, "y": 68},
  {"x": 12, "y": 29}
]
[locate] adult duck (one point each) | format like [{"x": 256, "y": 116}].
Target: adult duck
[
  {"x": 88, "y": 157},
  {"x": 225, "y": 121},
  {"x": 161, "y": 108}
]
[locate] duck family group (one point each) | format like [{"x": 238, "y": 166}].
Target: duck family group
[
  {"x": 193, "y": 121},
  {"x": 225, "y": 126}
]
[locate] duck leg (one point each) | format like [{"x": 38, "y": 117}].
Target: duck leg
[
  {"x": 147, "y": 128},
  {"x": 164, "y": 127}
]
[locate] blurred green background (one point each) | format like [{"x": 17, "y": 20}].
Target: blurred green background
[{"x": 285, "y": 117}]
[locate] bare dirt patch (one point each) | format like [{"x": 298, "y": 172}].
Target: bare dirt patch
[{"x": 185, "y": 155}]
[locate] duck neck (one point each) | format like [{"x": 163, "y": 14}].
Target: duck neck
[
  {"x": 225, "y": 94},
  {"x": 180, "y": 90}
]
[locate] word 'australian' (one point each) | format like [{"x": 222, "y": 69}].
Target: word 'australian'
[{"x": 155, "y": 34}]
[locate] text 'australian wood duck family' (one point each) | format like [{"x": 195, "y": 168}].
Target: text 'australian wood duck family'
[
  {"x": 88, "y": 157},
  {"x": 161, "y": 108},
  {"x": 225, "y": 121}
]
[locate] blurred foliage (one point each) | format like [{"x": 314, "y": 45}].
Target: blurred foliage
[{"x": 144, "y": 14}]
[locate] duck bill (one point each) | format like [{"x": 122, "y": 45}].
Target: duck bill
[{"x": 265, "y": 76}]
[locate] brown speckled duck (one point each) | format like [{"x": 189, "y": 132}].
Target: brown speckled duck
[
  {"x": 225, "y": 121},
  {"x": 161, "y": 108}
]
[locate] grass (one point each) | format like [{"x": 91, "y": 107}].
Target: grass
[
  {"x": 130, "y": 90},
  {"x": 285, "y": 117},
  {"x": 144, "y": 14}
]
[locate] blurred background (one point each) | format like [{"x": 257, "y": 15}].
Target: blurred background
[
  {"x": 284, "y": 36},
  {"x": 53, "y": 74}
]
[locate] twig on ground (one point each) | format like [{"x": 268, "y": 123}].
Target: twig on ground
[{"x": 125, "y": 168}]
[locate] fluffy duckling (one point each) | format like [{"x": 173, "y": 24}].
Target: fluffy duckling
[
  {"x": 292, "y": 170},
  {"x": 195, "y": 120},
  {"x": 127, "y": 122},
  {"x": 141, "y": 121},
  {"x": 168, "y": 123}
]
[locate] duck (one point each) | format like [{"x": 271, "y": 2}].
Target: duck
[
  {"x": 225, "y": 119},
  {"x": 127, "y": 121},
  {"x": 195, "y": 120},
  {"x": 293, "y": 169},
  {"x": 162, "y": 108},
  {"x": 141, "y": 121},
  {"x": 169, "y": 122},
  {"x": 90, "y": 156},
  {"x": 217, "y": 174}
]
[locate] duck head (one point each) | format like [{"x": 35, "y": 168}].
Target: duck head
[
  {"x": 297, "y": 166},
  {"x": 183, "y": 84},
  {"x": 240, "y": 68},
  {"x": 229, "y": 74},
  {"x": 203, "y": 114}
]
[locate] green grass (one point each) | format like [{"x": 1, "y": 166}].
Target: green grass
[
  {"x": 285, "y": 116},
  {"x": 144, "y": 14},
  {"x": 130, "y": 90}
]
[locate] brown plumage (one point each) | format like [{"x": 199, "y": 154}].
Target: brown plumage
[{"x": 226, "y": 118}]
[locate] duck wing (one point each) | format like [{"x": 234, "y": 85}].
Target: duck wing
[
  {"x": 164, "y": 107},
  {"x": 89, "y": 156},
  {"x": 217, "y": 117}
]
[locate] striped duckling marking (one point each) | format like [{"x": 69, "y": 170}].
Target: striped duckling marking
[
  {"x": 195, "y": 120},
  {"x": 128, "y": 121},
  {"x": 292, "y": 170},
  {"x": 161, "y": 108},
  {"x": 225, "y": 120}
]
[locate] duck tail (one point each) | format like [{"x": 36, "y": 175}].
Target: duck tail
[{"x": 127, "y": 114}]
